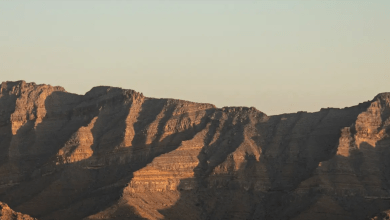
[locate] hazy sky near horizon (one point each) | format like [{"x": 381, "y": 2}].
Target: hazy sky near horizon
[{"x": 278, "y": 56}]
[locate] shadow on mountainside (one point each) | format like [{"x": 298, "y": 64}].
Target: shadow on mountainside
[
  {"x": 38, "y": 144},
  {"x": 237, "y": 195},
  {"x": 95, "y": 184},
  {"x": 7, "y": 107},
  {"x": 34, "y": 144},
  {"x": 225, "y": 198}
]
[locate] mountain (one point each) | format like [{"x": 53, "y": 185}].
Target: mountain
[{"x": 116, "y": 154}]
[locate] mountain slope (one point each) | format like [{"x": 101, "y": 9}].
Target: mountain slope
[{"x": 115, "y": 154}]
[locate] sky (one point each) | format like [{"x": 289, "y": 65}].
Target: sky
[{"x": 277, "y": 56}]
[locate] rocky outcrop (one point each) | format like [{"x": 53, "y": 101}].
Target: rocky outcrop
[
  {"x": 6, "y": 213},
  {"x": 116, "y": 154}
]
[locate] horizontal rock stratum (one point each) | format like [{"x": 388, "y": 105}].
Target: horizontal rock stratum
[{"x": 116, "y": 154}]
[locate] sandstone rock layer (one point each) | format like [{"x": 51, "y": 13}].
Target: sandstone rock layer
[
  {"x": 6, "y": 213},
  {"x": 115, "y": 154}
]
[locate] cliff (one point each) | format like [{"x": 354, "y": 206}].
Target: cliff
[{"x": 115, "y": 154}]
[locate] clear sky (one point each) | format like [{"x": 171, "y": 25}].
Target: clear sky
[{"x": 278, "y": 56}]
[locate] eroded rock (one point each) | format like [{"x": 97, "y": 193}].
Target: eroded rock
[{"x": 116, "y": 154}]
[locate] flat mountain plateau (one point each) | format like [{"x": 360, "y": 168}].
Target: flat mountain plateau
[{"x": 116, "y": 154}]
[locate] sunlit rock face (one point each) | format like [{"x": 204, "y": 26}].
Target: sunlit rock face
[
  {"x": 116, "y": 154},
  {"x": 6, "y": 213}
]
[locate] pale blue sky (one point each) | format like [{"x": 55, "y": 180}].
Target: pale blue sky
[{"x": 278, "y": 56}]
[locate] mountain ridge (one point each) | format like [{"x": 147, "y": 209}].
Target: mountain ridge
[
  {"x": 116, "y": 154},
  {"x": 233, "y": 106}
]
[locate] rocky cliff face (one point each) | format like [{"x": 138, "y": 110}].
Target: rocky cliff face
[{"x": 115, "y": 154}]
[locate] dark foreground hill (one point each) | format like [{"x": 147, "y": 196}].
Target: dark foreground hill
[{"x": 115, "y": 154}]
